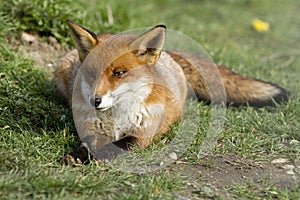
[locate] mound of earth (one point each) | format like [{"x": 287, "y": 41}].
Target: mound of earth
[{"x": 44, "y": 53}]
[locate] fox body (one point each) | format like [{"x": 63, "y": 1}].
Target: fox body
[{"x": 126, "y": 88}]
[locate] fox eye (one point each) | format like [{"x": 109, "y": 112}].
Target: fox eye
[{"x": 118, "y": 73}]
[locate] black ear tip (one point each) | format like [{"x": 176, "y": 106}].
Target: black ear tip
[
  {"x": 72, "y": 23},
  {"x": 69, "y": 21},
  {"x": 161, "y": 26}
]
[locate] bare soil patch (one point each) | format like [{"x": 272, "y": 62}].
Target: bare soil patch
[
  {"x": 44, "y": 53},
  {"x": 216, "y": 175}
]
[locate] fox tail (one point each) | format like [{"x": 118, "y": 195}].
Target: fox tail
[{"x": 213, "y": 83}]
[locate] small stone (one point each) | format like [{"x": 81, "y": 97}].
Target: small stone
[
  {"x": 279, "y": 161},
  {"x": 49, "y": 65},
  {"x": 52, "y": 40},
  {"x": 290, "y": 167},
  {"x": 290, "y": 172},
  {"x": 28, "y": 38},
  {"x": 173, "y": 156}
]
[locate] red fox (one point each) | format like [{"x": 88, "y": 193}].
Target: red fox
[{"x": 142, "y": 86}]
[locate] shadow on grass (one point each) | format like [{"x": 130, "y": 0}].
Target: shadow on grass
[{"x": 28, "y": 98}]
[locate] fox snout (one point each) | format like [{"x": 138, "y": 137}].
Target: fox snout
[
  {"x": 95, "y": 101},
  {"x": 102, "y": 102}
]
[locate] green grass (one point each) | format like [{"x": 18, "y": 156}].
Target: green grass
[
  {"x": 36, "y": 126},
  {"x": 46, "y": 18}
]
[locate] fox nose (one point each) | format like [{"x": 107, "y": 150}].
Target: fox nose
[{"x": 95, "y": 101}]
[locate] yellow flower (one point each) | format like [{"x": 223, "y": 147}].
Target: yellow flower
[{"x": 260, "y": 26}]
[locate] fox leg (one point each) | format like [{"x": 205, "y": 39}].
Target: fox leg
[
  {"x": 65, "y": 73},
  {"x": 79, "y": 156},
  {"x": 110, "y": 151}
]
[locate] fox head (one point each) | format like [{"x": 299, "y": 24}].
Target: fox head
[{"x": 116, "y": 64}]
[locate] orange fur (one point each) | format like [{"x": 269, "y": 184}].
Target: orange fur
[{"x": 124, "y": 62}]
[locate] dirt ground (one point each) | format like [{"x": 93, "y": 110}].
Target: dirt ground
[
  {"x": 44, "y": 53},
  {"x": 213, "y": 175}
]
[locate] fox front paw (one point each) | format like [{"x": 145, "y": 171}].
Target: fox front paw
[
  {"x": 72, "y": 160},
  {"x": 78, "y": 157}
]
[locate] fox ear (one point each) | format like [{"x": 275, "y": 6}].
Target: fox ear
[
  {"x": 148, "y": 46},
  {"x": 83, "y": 39}
]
